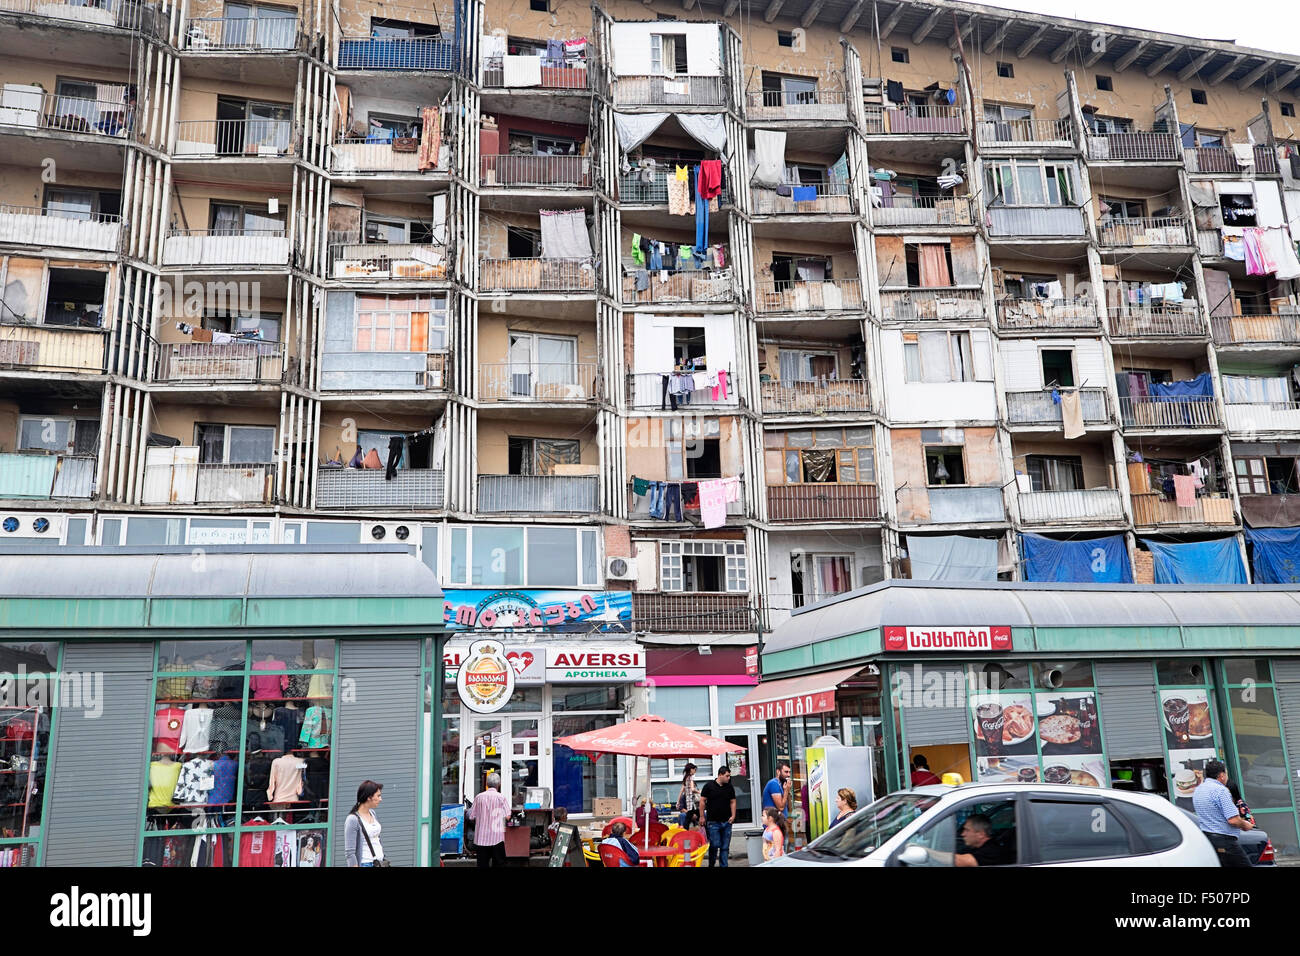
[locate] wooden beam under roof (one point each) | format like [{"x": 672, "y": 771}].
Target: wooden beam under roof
[
  {"x": 1131, "y": 55},
  {"x": 895, "y": 15},
  {"x": 1000, "y": 34},
  {"x": 1227, "y": 70},
  {"x": 851, "y": 18},
  {"x": 810, "y": 14},
  {"x": 1253, "y": 76},
  {"x": 966, "y": 29},
  {"x": 1098, "y": 51},
  {"x": 1281, "y": 82},
  {"x": 926, "y": 27},
  {"x": 772, "y": 10},
  {"x": 1155, "y": 66},
  {"x": 687, "y": 4},
  {"x": 1064, "y": 49},
  {"x": 1198, "y": 63},
  {"x": 1034, "y": 39},
  {"x": 730, "y": 8}
]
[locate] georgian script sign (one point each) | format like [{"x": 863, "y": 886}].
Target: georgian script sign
[{"x": 966, "y": 639}]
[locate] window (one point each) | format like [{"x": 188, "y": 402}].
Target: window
[
  {"x": 58, "y": 435},
  {"x": 75, "y": 297},
  {"x": 1102, "y": 125},
  {"x": 401, "y": 323},
  {"x": 1006, "y": 70},
  {"x": 801, "y": 366},
  {"x": 688, "y": 344},
  {"x": 945, "y": 465},
  {"x": 1288, "y": 109},
  {"x": 704, "y": 566},
  {"x": 780, "y": 89},
  {"x": 1150, "y": 829},
  {"x": 1238, "y": 210},
  {"x": 234, "y": 444},
  {"x": 784, "y": 38},
  {"x": 1027, "y": 285},
  {"x": 692, "y": 446},
  {"x": 383, "y": 27},
  {"x": 668, "y": 54},
  {"x": 539, "y": 456},
  {"x": 1212, "y": 138},
  {"x": 78, "y": 107},
  {"x": 834, "y": 455},
  {"x": 1123, "y": 208},
  {"x": 1266, "y": 476},
  {"x": 523, "y": 243},
  {"x": 227, "y": 321},
  {"x": 1055, "y": 473},
  {"x": 938, "y": 357},
  {"x": 540, "y": 6},
  {"x": 980, "y": 833},
  {"x": 1006, "y": 113},
  {"x": 257, "y": 25},
  {"x": 542, "y": 366},
  {"x": 252, "y": 127},
  {"x": 1104, "y": 83},
  {"x": 817, "y": 576},
  {"x": 1077, "y": 830},
  {"x": 1031, "y": 182},
  {"x": 899, "y": 54},
  {"x": 232, "y": 219},
  {"x": 497, "y": 556},
  {"x": 1058, "y": 367},
  {"x": 796, "y": 268},
  {"x": 929, "y": 264},
  {"x": 1198, "y": 97},
  {"x": 86, "y": 205}
]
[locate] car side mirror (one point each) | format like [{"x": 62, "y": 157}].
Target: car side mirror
[{"x": 914, "y": 856}]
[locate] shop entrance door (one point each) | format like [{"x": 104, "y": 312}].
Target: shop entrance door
[
  {"x": 742, "y": 773},
  {"x": 510, "y": 746}
]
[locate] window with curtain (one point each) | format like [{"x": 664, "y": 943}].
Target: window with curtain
[
  {"x": 400, "y": 323},
  {"x": 825, "y": 455},
  {"x": 1055, "y": 472},
  {"x": 798, "y": 366},
  {"x": 935, "y": 357},
  {"x": 1030, "y": 182},
  {"x": 934, "y": 268},
  {"x": 817, "y": 576}
]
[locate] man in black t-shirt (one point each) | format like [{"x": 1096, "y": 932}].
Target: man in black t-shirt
[{"x": 718, "y": 808}]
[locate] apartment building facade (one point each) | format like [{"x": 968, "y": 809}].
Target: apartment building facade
[{"x": 343, "y": 273}]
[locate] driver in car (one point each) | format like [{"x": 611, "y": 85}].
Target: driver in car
[{"x": 981, "y": 848}]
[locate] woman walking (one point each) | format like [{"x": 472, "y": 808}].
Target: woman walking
[
  {"x": 688, "y": 800},
  {"x": 361, "y": 831}
]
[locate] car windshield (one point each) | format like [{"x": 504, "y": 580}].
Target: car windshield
[{"x": 870, "y": 828}]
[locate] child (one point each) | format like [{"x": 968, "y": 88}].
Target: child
[{"x": 774, "y": 833}]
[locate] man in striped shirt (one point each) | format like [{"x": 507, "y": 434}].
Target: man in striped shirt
[{"x": 490, "y": 811}]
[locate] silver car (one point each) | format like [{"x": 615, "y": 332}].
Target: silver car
[{"x": 1030, "y": 824}]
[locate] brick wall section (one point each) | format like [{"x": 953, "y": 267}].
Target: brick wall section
[
  {"x": 618, "y": 541},
  {"x": 1144, "y": 568}
]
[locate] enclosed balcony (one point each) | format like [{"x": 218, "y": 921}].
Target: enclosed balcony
[
  {"x": 398, "y": 54},
  {"x": 823, "y": 502},
  {"x": 537, "y": 275},
  {"x": 417, "y": 489},
  {"x": 51, "y": 348},
  {"x": 175, "y": 476},
  {"x": 690, "y": 612},
  {"x": 798, "y": 98},
  {"x": 1145, "y": 231},
  {"x": 38, "y": 476},
  {"x": 688, "y": 285},
  {"x": 968, "y": 504},
  {"x": 1154, "y": 510},
  {"x": 1251, "y": 418},
  {"x": 249, "y": 138},
  {"x": 1038, "y": 407},
  {"x": 1157, "y": 321},
  {"x": 778, "y": 297},
  {"x": 252, "y": 249},
  {"x": 539, "y": 382},
  {"x": 1025, "y": 132},
  {"x": 1082, "y": 506},
  {"x": 807, "y": 198},
  {"x": 540, "y": 172},
  {"x": 538, "y": 494},
  {"x": 31, "y": 108},
  {"x": 924, "y": 211},
  {"x": 36, "y": 226},
  {"x": 388, "y": 260},
  {"x": 1224, "y": 159},
  {"x": 1133, "y": 146},
  {"x": 1256, "y": 330},
  {"x": 254, "y": 362},
  {"x": 272, "y": 29},
  {"x": 915, "y": 119},
  {"x": 913, "y": 304},
  {"x": 1047, "y": 315},
  {"x": 1010, "y": 222},
  {"x": 684, "y": 91},
  {"x": 817, "y": 397}
]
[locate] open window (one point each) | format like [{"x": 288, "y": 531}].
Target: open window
[
  {"x": 1123, "y": 208},
  {"x": 1055, "y": 472},
  {"x": 781, "y": 89},
  {"x": 825, "y": 456},
  {"x": 388, "y": 127},
  {"x": 1266, "y": 475},
  {"x": 929, "y": 264},
  {"x": 703, "y": 566},
  {"x": 1100, "y": 125},
  {"x": 688, "y": 345},
  {"x": 945, "y": 456},
  {"x": 234, "y": 444},
  {"x": 800, "y": 268},
  {"x": 693, "y": 448},
  {"x": 817, "y": 576},
  {"x": 75, "y": 297},
  {"x": 668, "y": 54},
  {"x": 252, "y": 126},
  {"x": 541, "y": 365},
  {"x": 1058, "y": 367},
  {"x": 938, "y": 357},
  {"x": 1238, "y": 209},
  {"x": 388, "y": 27},
  {"x": 539, "y": 456},
  {"x": 523, "y": 243},
  {"x": 980, "y": 833}
]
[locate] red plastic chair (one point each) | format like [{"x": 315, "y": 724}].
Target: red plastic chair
[
  {"x": 657, "y": 831},
  {"x": 688, "y": 841},
  {"x": 626, "y": 821},
  {"x": 613, "y": 857}
]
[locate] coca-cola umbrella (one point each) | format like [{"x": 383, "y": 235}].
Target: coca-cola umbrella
[{"x": 649, "y": 736}]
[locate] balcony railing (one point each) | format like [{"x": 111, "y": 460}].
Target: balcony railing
[
  {"x": 205, "y": 483},
  {"x": 822, "y": 502},
  {"x": 204, "y": 34},
  {"x": 252, "y": 248},
  {"x": 823, "y": 103},
  {"x": 1137, "y": 413},
  {"x": 566, "y": 77},
  {"x": 691, "y": 613},
  {"x": 639, "y": 505},
  {"x": 537, "y": 275},
  {"x": 924, "y": 211},
  {"x": 398, "y": 54},
  {"x": 1154, "y": 510},
  {"x": 812, "y": 295},
  {"x": 1134, "y": 147},
  {"x": 538, "y": 382},
  {"x": 539, "y": 494},
  {"x": 388, "y": 260},
  {"x": 805, "y": 199},
  {"x": 1047, "y": 314},
  {"x": 823, "y": 395},
  {"x": 1157, "y": 322},
  {"x": 646, "y": 390},
  {"x": 1221, "y": 159},
  {"x": 690, "y": 285},
  {"x": 34, "y": 226},
  {"x": 925, "y": 120},
  {"x": 419, "y": 489},
  {"x": 1071, "y": 507},
  {"x": 347, "y": 370},
  {"x": 1145, "y": 231},
  {"x": 1037, "y": 407},
  {"x": 356, "y": 154},
  {"x": 260, "y": 362},
  {"x": 249, "y": 138},
  {"x": 670, "y": 91},
  {"x": 39, "y": 476},
  {"x": 1253, "y": 417},
  {"x": 1010, "y": 222},
  {"x": 1025, "y": 132},
  {"x": 562, "y": 171},
  {"x": 1255, "y": 329},
  {"x": 636, "y": 190},
  {"x": 126, "y": 14},
  {"x": 963, "y": 504},
  {"x": 51, "y": 348},
  {"x": 909, "y": 304},
  {"x": 1209, "y": 243},
  {"x": 30, "y": 108}
]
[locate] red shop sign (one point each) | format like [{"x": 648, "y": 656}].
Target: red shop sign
[
  {"x": 816, "y": 703},
  {"x": 978, "y": 638}
]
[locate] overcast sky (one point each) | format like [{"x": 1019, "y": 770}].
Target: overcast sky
[{"x": 1254, "y": 23}]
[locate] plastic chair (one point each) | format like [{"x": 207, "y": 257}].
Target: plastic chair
[
  {"x": 657, "y": 831},
  {"x": 591, "y": 855},
  {"x": 613, "y": 857},
  {"x": 626, "y": 821},
  {"x": 692, "y": 844},
  {"x": 668, "y": 834}
]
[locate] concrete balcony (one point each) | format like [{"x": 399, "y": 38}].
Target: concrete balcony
[
  {"x": 823, "y": 502},
  {"x": 825, "y": 295},
  {"x": 537, "y": 275},
  {"x": 634, "y": 190},
  {"x": 1222, "y": 159},
  {"x": 965, "y": 504},
  {"x": 815, "y": 398},
  {"x": 535, "y": 172},
  {"x": 1037, "y": 408},
  {"x": 571, "y": 77},
  {"x": 251, "y": 249},
  {"x": 691, "y": 613},
  {"x": 123, "y": 14},
  {"x": 1047, "y": 315},
  {"x": 259, "y": 363},
  {"x": 373, "y": 157},
  {"x": 707, "y": 91},
  {"x": 1138, "y": 414},
  {"x": 827, "y": 103},
  {"x": 405, "y": 372},
  {"x": 39, "y": 476},
  {"x": 910, "y": 211},
  {"x": 1246, "y": 419},
  {"x": 1010, "y": 222},
  {"x": 639, "y": 505},
  {"x": 398, "y": 54},
  {"x": 417, "y": 489},
  {"x": 805, "y": 199},
  {"x": 1134, "y": 146},
  {"x": 538, "y": 382},
  {"x": 537, "y": 494},
  {"x": 646, "y": 390},
  {"x": 1144, "y": 231},
  {"x": 1158, "y": 321},
  {"x": 913, "y": 120},
  {"x": 691, "y": 285},
  {"x": 169, "y": 480},
  {"x": 242, "y": 35},
  {"x": 29, "y": 108},
  {"x": 388, "y": 260},
  {"x": 1152, "y": 510},
  {"x": 1255, "y": 330},
  {"x": 1083, "y": 506},
  {"x": 905, "y": 305},
  {"x": 1025, "y": 132},
  {"x": 34, "y": 226},
  {"x": 51, "y": 348},
  {"x": 234, "y": 138}
]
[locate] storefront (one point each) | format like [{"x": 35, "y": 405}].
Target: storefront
[{"x": 1096, "y": 685}]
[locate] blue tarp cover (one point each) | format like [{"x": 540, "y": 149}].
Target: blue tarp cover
[
  {"x": 1089, "y": 561},
  {"x": 1276, "y": 557},
  {"x": 1200, "y": 387},
  {"x": 1198, "y": 562}
]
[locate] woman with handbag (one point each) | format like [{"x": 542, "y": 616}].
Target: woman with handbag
[
  {"x": 688, "y": 800},
  {"x": 361, "y": 832}
]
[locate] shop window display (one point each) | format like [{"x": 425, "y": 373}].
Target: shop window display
[
  {"x": 240, "y": 766},
  {"x": 26, "y": 709}
]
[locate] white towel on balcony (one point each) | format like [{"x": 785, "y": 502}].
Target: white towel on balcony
[
  {"x": 522, "y": 70},
  {"x": 1072, "y": 414},
  {"x": 1244, "y": 154},
  {"x": 769, "y": 157},
  {"x": 565, "y": 235},
  {"x": 493, "y": 47}
]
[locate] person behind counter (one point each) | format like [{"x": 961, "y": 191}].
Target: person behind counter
[
  {"x": 922, "y": 775},
  {"x": 846, "y": 804}
]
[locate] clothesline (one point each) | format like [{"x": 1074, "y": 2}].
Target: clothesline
[{"x": 711, "y": 496}]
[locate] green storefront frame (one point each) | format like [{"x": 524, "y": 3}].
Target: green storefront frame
[{"x": 38, "y": 842}]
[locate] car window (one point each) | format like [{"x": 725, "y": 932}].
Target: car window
[
  {"x": 1077, "y": 830},
  {"x": 871, "y": 827},
  {"x": 979, "y": 833},
  {"x": 1151, "y": 828}
]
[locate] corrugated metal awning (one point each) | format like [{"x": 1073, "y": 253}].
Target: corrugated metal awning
[{"x": 792, "y": 696}]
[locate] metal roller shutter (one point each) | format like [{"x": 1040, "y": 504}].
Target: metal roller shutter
[
  {"x": 1130, "y": 719},
  {"x": 1288, "y": 702},
  {"x": 96, "y": 784},
  {"x": 932, "y": 726},
  {"x": 377, "y": 736},
  {"x": 1286, "y": 669}
]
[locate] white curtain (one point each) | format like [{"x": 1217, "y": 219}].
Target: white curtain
[
  {"x": 1245, "y": 389},
  {"x": 953, "y": 558},
  {"x": 769, "y": 157},
  {"x": 635, "y": 128},
  {"x": 934, "y": 357},
  {"x": 565, "y": 235},
  {"x": 789, "y": 366},
  {"x": 706, "y": 128}
]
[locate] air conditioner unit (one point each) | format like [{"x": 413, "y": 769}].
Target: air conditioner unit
[
  {"x": 388, "y": 532},
  {"x": 20, "y": 525},
  {"x": 620, "y": 569}
]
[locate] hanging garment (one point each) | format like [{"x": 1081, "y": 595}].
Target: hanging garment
[
  {"x": 641, "y": 280},
  {"x": 656, "y": 499},
  {"x": 701, "y": 224},
  {"x": 803, "y": 193},
  {"x": 769, "y": 158},
  {"x": 554, "y": 53},
  {"x": 672, "y": 507},
  {"x": 522, "y": 70},
  {"x": 668, "y": 396},
  {"x": 638, "y": 256},
  {"x": 710, "y": 178},
  {"x": 640, "y": 486},
  {"x": 894, "y": 91},
  {"x": 564, "y": 234},
  {"x": 1255, "y": 265},
  {"x": 1244, "y": 154},
  {"x": 372, "y": 460},
  {"x": 701, "y": 380},
  {"x": 713, "y": 503},
  {"x": 690, "y": 494},
  {"x": 1279, "y": 254},
  {"x": 357, "y": 459},
  {"x": 396, "y": 445},
  {"x": 720, "y": 390},
  {"x": 1072, "y": 414},
  {"x": 679, "y": 197},
  {"x": 682, "y": 173},
  {"x": 1234, "y": 246},
  {"x": 430, "y": 137},
  {"x": 720, "y": 256},
  {"x": 655, "y": 258}
]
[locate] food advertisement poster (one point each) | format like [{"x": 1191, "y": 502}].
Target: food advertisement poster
[
  {"x": 1069, "y": 735},
  {"x": 1052, "y": 737},
  {"x": 1005, "y": 749},
  {"x": 1189, "y": 740}
]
